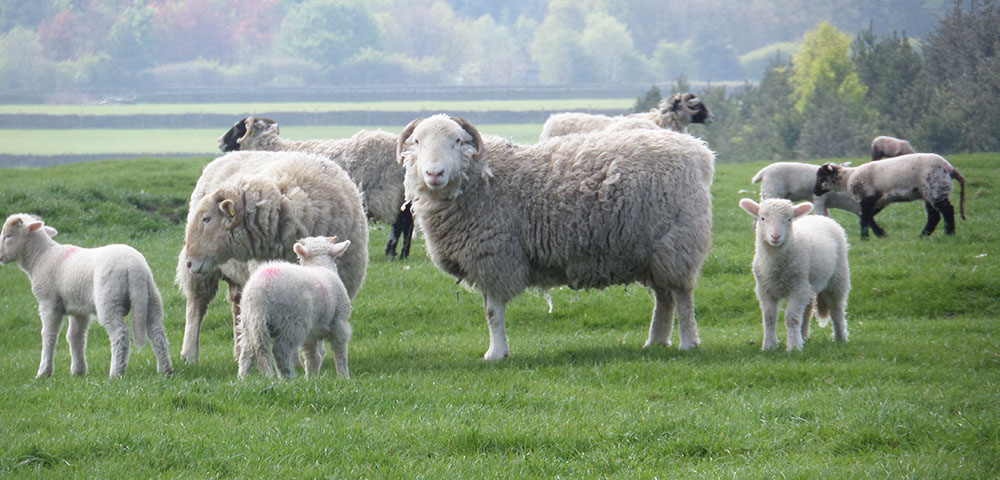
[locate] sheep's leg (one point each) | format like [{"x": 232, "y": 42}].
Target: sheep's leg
[
  {"x": 245, "y": 363},
  {"x": 407, "y": 227},
  {"x": 944, "y": 206},
  {"x": 933, "y": 217},
  {"x": 312, "y": 359},
  {"x": 495, "y": 319},
  {"x": 285, "y": 349},
  {"x": 769, "y": 310},
  {"x": 794, "y": 310},
  {"x": 76, "y": 337},
  {"x": 339, "y": 344},
  {"x": 868, "y": 212},
  {"x": 199, "y": 290},
  {"x": 114, "y": 322},
  {"x": 687, "y": 326},
  {"x": 806, "y": 320},
  {"x": 662, "y": 324},
  {"x": 233, "y": 296},
  {"x": 51, "y": 324},
  {"x": 161, "y": 347}
]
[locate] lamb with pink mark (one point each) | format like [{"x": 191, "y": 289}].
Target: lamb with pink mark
[
  {"x": 296, "y": 307},
  {"x": 801, "y": 259},
  {"x": 80, "y": 282}
]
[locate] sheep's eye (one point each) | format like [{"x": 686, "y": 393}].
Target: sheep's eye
[
  {"x": 416, "y": 141},
  {"x": 206, "y": 219},
  {"x": 762, "y": 218}
]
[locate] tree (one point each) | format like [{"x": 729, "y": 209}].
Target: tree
[
  {"x": 555, "y": 47},
  {"x": 650, "y": 100},
  {"x": 328, "y": 32},
  {"x": 892, "y": 70},
  {"x": 131, "y": 43},
  {"x": 608, "y": 47}
]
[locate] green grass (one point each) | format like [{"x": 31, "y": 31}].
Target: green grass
[{"x": 914, "y": 394}]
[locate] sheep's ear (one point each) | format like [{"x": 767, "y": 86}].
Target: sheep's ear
[
  {"x": 231, "y": 209},
  {"x": 228, "y": 207},
  {"x": 403, "y": 137},
  {"x": 301, "y": 250},
  {"x": 477, "y": 139},
  {"x": 750, "y": 206},
  {"x": 339, "y": 248},
  {"x": 803, "y": 209},
  {"x": 35, "y": 226},
  {"x": 50, "y": 231}
]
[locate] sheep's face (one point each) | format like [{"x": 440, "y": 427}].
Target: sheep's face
[
  {"x": 243, "y": 135},
  {"x": 436, "y": 150},
  {"x": 208, "y": 238},
  {"x": 774, "y": 218},
  {"x": 828, "y": 178},
  {"x": 15, "y": 232}
]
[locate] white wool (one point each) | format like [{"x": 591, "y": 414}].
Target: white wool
[{"x": 796, "y": 181}]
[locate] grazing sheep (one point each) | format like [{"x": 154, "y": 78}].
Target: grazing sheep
[
  {"x": 253, "y": 206},
  {"x": 798, "y": 258},
  {"x": 80, "y": 282},
  {"x": 595, "y": 210},
  {"x": 298, "y": 306},
  {"x": 888, "y": 147},
  {"x": 796, "y": 181},
  {"x": 900, "y": 179},
  {"x": 369, "y": 158},
  {"x": 674, "y": 114}
]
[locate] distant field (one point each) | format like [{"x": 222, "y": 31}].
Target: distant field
[
  {"x": 187, "y": 141},
  {"x": 312, "y": 107}
]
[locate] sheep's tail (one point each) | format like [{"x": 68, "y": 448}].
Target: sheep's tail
[
  {"x": 143, "y": 299},
  {"x": 822, "y": 309},
  {"x": 961, "y": 181},
  {"x": 255, "y": 341},
  {"x": 760, "y": 176}
]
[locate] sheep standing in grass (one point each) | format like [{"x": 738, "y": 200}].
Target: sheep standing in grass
[
  {"x": 252, "y": 206},
  {"x": 888, "y": 147},
  {"x": 797, "y": 181},
  {"x": 674, "y": 114},
  {"x": 594, "y": 210},
  {"x": 107, "y": 281},
  {"x": 369, "y": 157},
  {"x": 900, "y": 179},
  {"x": 296, "y": 306},
  {"x": 799, "y": 258}
]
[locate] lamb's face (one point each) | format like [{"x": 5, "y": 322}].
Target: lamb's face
[
  {"x": 14, "y": 233},
  {"x": 774, "y": 218},
  {"x": 436, "y": 149},
  {"x": 208, "y": 236},
  {"x": 320, "y": 251},
  {"x": 828, "y": 179}
]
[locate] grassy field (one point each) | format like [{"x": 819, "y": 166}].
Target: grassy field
[{"x": 914, "y": 394}]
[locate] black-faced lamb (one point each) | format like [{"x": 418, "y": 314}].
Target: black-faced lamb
[
  {"x": 796, "y": 181},
  {"x": 595, "y": 210},
  {"x": 905, "y": 178},
  {"x": 296, "y": 307},
  {"x": 108, "y": 282},
  {"x": 674, "y": 114},
  {"x": 888, "y": 147},
  {"x": 798, "y": 258},
  {"x": 369, "y": 157},
  {"x": 253, "y": 207}
]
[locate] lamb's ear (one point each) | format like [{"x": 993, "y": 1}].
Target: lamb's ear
[
  {"x": 301, "y": 250},
  {"x": 803, "y": 209},
  {"x": 750, "y": 206},
  {"x": 51, "y": 231},
  {"x": 338, "y": 249},
  {"x": 35, "y": 226},
  {"x": 403, "y": 137}
]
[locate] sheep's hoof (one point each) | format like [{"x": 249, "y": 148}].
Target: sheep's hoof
[
  {"x": 653, "y": 343},
  {"x": 492, "y": 356}
]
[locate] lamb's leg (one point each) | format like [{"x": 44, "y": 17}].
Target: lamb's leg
[
  {"x": 76, "y": 337},
  {"x": 806, "y": 320},
  {"x": 200, "y": 290},
  {"x": 868, "y": 212},
  {"x": 233, "y": 296},
  {"x": 495, "y": 318},
  {"x": 312, "y": 359},
  {"x": 838, "y": 309},
  {"x": 933, "y": 217},
  {"x": 114, "y": 322},
  {"x": 687, "y": 326},
  {"x": 794, "y": 311},
  {"x": 161, "y": 347},
  {"x": 286, "y": 347},
  {"x": 948, "y": 211},
  {"x": 769, "y": 310},
  {"x": 662, "y": 324},
  {"x": 51, "y": 323}
]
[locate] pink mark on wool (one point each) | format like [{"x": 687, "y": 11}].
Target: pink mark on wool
[
  {"x": 71, "y": 251},
  {"x": 270, "y": 272}
]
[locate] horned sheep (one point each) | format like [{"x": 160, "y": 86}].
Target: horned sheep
[
  {"x": 595, "y": 210},
  {"x": 888, "y": 147},
  {"x": 796, "y": 181},
  {"x": 368, "y": 156},
  {"x": 296, "y": 306},
  {"x": 80, "y": 282},
  {"x": 900, "y": 179},
  {"x": 674, "y": 114},
  {"x": 251, "y": 207},
  {"x": 798, "y": 258}
]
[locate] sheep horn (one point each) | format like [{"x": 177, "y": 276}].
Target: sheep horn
[
  {"x": 688, "y": 100},
  {"x": 471, "y": 130},
  {"x": 403, "y": 137},
  {"x": 248, "y": 127}
]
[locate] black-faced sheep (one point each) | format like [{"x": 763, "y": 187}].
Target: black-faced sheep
[
  {"x": 296, "y": 306},
  {"x": 254, "y": 206},
  {"x": 910, "y": 177},
  {"x": 799, "y": 258},
  {"x": 888, "y": 147},
  {"x": 369, "y": 158},
  {"x": 674, "y": 114},
  {"x": 796, "y": 181},
  {"x": 106, "y": 281},
  {"x": 595, "y": 210}
]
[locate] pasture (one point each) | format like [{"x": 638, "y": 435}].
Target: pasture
[{"x": 914, "y": 394}]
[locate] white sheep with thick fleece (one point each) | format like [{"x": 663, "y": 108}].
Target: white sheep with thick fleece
[
  {"x": 800, "y": 259},
  {"x": 81, "y": 282},
  {"x": 673, "y": 114},
  {"x": 296, "y": 307}
]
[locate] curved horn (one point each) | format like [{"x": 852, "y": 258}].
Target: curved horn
[
  {"x": 247, "y": 128},
  {"x": 403, "y": 137},
  {"x": 471, "y": 130},
  {"x": 689, "y": 103}
]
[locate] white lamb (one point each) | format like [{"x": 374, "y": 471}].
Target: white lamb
[
  {"x": 593, "y": 210},
  {"x": 796, "y": 181},
  {"x": 799, "y": 258},
  {"x": 298, "y": 306},
  {"x": 80, "y": 282}
]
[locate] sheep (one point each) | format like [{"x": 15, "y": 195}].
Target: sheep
[
  {"x": 900, "y": 179},
  {"x": 674, "y": 114},
  {"x": 796, "y": 181},
  {"x": 369, "y": 158},
  {"x": 594, "y": 210},
  {"x": 298, "y": 306},
  {"x": 80, "y": 282},
  {"x": 252, "y": 206},
  {"x": 888, "y": 147},
  {"x": 799, "y": 259}
]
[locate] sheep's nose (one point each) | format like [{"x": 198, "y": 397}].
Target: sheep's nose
[
  {"x": 434, "y": 175},
  {"x": 775, "y": 237}
]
